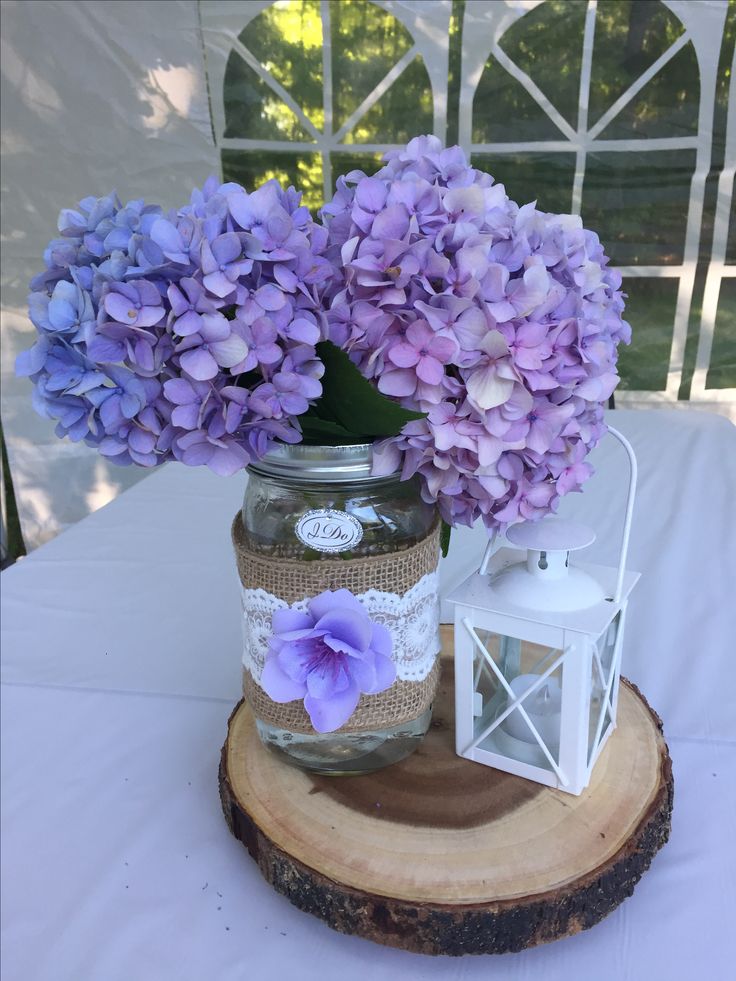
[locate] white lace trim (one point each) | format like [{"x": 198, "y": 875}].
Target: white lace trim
[{"x": 411, "y": 619}]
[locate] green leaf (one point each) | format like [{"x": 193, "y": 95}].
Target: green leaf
[
  {"x": 324, "y": 432},
  {"x": 445, "y": 532},
  {"x": 353, "y": 402}
]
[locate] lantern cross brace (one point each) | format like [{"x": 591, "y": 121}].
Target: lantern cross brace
[
  {"x": 515, "y": 703},
  {"x": 607, "y": 685},
  {"x": 483, "y": 664}
]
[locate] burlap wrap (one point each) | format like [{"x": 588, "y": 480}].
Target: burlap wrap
[{"x": 294, "y": 579}]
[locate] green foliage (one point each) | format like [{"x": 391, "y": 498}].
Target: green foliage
[
  {"x": 366, "y": 43},
  {"x": 343, "y": 163},
  {"x": 651, "y": 308},
  {"x": 542, "y": 177},
  {"x": 15, "y": 544},
  {"x": 253, "y": 110},
  {"x": 396, "y": 118},
  {"x": 454, "y": 71},
  {"x": 503, "y": 111},
  {"x": 722, "y": 372},
  {"x": 445, "y": 533},
  {"x": 351, "y": 409},
  {"x": 638, "y": 204},
  {"x": 630, "y": 36},
  {"x": 286, "y": 38},
  {"x": 327, "y": 432},
  {"x": 252, "y": 167}
]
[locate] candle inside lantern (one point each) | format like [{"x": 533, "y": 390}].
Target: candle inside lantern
[{"x": 543, "y": 708}]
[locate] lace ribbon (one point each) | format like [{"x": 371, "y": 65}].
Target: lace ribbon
[{"x": 411, "y": 620}]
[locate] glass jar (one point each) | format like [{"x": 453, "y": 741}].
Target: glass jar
[{"x": 321, "y": 504}]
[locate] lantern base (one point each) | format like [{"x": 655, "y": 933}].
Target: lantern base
[{"x": 439, "y": 855}]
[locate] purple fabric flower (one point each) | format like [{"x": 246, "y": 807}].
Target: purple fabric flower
[
  {"x": 492, "y": 381},
  {"x": 328, "y": 656},
  {"x": 435, "y": 254}
]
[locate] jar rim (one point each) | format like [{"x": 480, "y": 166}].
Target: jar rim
[{"x": 330, "y": 464}]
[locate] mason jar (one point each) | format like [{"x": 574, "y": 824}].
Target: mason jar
[{"x": 315, "y": 518}]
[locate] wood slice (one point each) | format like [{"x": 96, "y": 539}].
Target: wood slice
[{"x": 440, "y": 855}]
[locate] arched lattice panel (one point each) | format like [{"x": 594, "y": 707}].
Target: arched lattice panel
[
  {"x": 605, "y": 108},
  {"x": 307, "y": 89},
  {"x": 714, "y": 379}
]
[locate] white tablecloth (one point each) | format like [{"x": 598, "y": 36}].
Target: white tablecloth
[{"x": 121, "y": 663}]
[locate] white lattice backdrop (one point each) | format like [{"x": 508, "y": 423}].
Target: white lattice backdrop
[{"x": 132, "y": 95}]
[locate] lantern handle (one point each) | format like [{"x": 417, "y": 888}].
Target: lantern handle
[
  {"x": 488, "y": 554},
  {"x": 624, "y": 550},
  {"x": 633, "y": 473}
]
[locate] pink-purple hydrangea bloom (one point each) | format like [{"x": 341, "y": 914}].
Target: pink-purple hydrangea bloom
[
  {"x": 500, "y": 322},
  {"x": 327, "y": 656}
]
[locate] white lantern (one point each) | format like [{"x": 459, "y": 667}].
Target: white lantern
[{"x": 538, "y": 652}]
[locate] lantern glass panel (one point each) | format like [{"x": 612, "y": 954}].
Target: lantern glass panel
[
  {"x": 601, "y": 692},
  {"x": 521, "y": 663}
]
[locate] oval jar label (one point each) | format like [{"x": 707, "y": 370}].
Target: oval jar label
[{"x": 328, "y": 531}]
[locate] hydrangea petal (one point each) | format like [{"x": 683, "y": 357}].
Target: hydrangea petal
[
  {"x": 199, "y": 364},
  {"x": 230, "y": 351},
  {"x": 120, "y": 308}
]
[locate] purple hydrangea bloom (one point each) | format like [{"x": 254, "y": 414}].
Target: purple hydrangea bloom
[
  {"x": 187, "y": 336},
  {"x": 327, "y": 656},
  {"x": 501, "y": 323}
]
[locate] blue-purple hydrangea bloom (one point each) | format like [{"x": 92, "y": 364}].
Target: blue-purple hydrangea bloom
[
  {"x": 327, "y": 656},
  {"x": 500, "y": 322},
  {"x": 186, "y": 336}
]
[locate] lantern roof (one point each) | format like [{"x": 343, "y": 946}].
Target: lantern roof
[{"x": 477, "y": 592}]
